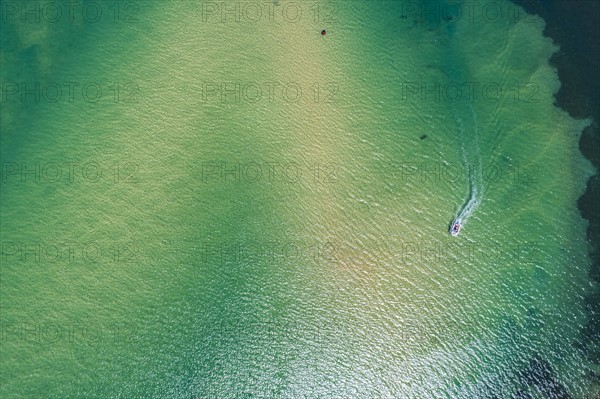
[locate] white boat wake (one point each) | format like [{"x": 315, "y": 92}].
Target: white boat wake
[{"x": 473, "y": 168}]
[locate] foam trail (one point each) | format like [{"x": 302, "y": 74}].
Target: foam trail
[{"x": 473, "y": 166}]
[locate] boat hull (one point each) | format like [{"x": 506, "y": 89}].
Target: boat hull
[{"x": 455, "y": 228}]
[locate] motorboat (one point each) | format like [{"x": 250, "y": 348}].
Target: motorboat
[{"x": 455, "y": 227}]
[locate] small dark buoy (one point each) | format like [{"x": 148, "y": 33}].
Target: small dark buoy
[
  {"x": 323, "y": 32},
  {"x": 423, "y": 137}
]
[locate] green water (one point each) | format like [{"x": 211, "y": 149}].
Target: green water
[{"x": 331, "y": 274}]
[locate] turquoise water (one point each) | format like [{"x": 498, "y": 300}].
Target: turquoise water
[{"x": 274, "y": 244}]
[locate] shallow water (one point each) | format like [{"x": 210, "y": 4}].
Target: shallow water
[{"x": 205, "y": 240}]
